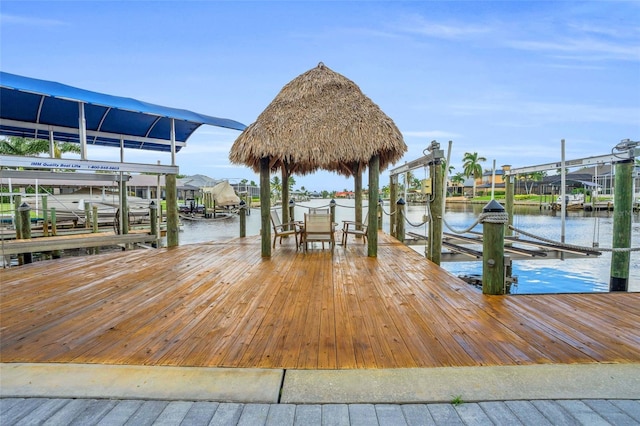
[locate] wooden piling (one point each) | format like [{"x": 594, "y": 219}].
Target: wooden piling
[
  {"x": 173, "y": 229},
  {"x": 400, "y": 219},
  {"x": 94, "y": 218},
  {"x": 357, "y": 191},
  {"x": 87, "y": 215},
  {"x": 292, "y": 208},
  {"x": 493, "y": 251},
  {"x": 243, "y": 219},
  {"x": 25, "y": 228},
  {"x": 45, "y": 217},
  {"x": 54, "y": 224},
  {"x": 623, "y": 202},
  {"x": 17, "y": 201},
  {"x": 372, "y": 230},
  {"x": 393, "y": 197},
  {"x": 437, "y": 213},
  {"x": 153, "y": 214},
  {"x": 124, "y": 215}
]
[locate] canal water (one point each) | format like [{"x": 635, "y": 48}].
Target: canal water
[{"x": 588, "y": 274}]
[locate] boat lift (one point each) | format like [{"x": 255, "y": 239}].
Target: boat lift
[{"x": 623, "y": 153}]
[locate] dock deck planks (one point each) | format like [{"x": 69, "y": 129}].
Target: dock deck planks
[{"x": 220, "y": 304}]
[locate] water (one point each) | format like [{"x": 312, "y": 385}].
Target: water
[{"x": 534, "y": 276}]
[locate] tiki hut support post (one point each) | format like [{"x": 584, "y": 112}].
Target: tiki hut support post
[
  {"x": 285, "y": 194},
  {"x": 357, "y": 189},
  {"x": 265, "y": 207},
  {"x": 372, "y": 230}
]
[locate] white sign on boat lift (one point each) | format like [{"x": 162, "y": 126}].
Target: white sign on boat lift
[{"x": 84, "y": 165}]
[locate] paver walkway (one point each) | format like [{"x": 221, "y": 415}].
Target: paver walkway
[{"x": 17, "y": 411}]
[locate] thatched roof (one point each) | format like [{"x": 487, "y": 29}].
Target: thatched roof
[{"x": 319, "y": 120}]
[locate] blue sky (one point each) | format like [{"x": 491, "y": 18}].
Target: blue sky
[{"x": 505, "y": 79}]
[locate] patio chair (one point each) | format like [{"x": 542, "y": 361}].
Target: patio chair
[
  {"x": 283, "y": 229},
  {"x": 353, "y": 228},
  {"x": 318, "y": 228}
]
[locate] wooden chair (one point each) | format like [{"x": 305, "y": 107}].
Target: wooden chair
[
  {"x": 283, "y": 229},
  {"x": 318, "y": 228},
  {"x": 353, "y": 228}
]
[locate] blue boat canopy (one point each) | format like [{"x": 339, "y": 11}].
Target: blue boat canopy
[{"x": 33, "y": 108}]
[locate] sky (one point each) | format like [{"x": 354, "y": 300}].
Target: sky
[{"x": 505, "y": 79}]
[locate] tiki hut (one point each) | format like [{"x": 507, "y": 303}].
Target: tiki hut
[{"x": 320, "y": 120}]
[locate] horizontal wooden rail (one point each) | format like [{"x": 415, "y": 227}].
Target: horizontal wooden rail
[{"x": 67, "y": 242}]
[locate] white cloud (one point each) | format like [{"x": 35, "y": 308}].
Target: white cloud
[
  {"x": 587, "y": 49},
  {"x": 452, "y": 31},
  {"x": 29, "y": 21}
]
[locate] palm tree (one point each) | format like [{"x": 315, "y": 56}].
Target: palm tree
[
  {"x": 458, "y": 179},
  {"x": 533, "y": 177},
  {"x": 472, "y": 167},
  {"x": 276, "y": 187},
  {"x": 291, "y": 182},
  {"x": 33, "y": 147}
]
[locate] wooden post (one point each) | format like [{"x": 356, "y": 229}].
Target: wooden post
[
  {"x": 45, "y": 217},
  {"x": 393, "y": 197},
  {"x": 243, "y": 219},
  {"x": 622, "y": 212},
  {"x": 380, "y": 214},
  {"x": 374, "y": 190},
  {"x": 94, "y": 217},
  {"x": 54, "y": 224},
  {"x": 87, "y": 215},
  {"x": 292, "y": 207},
  {"x": 124, "y": 215},
  {"x": 17, "y": 201},
  {"x": 265, "y": 207},
  {"x": 493, "y": 251},
  {"x": 172, "y": 210},
  {"x": 25, "y": 224},
  {"x": 153, "y": 215},
  {"x": 332, "y": 210},
  {"x": 437, "y": 214},
  {"x": 285, "y": 195},
  {"x": 400, "y": 219},
  {"x": 357, "y": 191}
]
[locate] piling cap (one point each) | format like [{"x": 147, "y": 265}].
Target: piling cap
[
  {"x": 493, "y": 207},
  {"x": 401, "y": 202},
  {"x": 24, "y": 207}
]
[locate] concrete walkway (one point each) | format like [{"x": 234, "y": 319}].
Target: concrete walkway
[
  {"x": 112, "y": 394},
  {"x": 17, "y": 411}
]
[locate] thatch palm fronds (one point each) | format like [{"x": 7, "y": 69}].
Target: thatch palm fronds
[{"x": 320, "y": 120}]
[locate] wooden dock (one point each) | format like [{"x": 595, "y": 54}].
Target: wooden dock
[{"x": 221, "y": 304}]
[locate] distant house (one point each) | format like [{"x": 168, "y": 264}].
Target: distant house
[
  {"x": 486, "y": 182},
  {"x": 345, "y": 194},
  {"x": 599, "y": 178}
]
